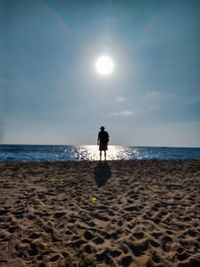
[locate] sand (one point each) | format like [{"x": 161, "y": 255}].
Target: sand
[{"x": 119, "y": 213}]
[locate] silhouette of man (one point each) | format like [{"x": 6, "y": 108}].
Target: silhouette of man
[{"x": 103, "y": 139}]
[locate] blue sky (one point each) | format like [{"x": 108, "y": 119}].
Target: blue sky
[{"x": 50, "y": 92}]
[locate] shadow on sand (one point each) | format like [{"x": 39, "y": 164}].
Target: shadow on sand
[{"x": 102, "y": 173}]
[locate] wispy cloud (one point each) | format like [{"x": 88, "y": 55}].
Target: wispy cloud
[
  {"x": 123, "y": 113},
  {"x": 154, "y": 107},
  {"x": 120, "y": 99},
  {"x": 153, "y": 94},
  {"x": 159, "y": 96}
]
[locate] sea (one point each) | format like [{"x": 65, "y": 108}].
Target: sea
[{"x": 26, "y": 153}]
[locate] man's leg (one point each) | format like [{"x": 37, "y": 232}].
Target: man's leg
[{"x": 100, "y": 154}]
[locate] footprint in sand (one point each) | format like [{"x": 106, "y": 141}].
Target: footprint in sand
[
  {"x": 88, "y": 235},
  {"x": 138, "y": 235},
  {"x": 89, "y": 249},
  {"x": 166, "y": 243},
  {"x": 126, "y": 261},
  {"x": 98, "y": 240},
  {"x": 138, "y": 248},
  {"x": 34, "y": 235}
]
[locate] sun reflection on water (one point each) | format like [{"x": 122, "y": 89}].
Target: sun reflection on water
[{"x": 91, "y": 152}]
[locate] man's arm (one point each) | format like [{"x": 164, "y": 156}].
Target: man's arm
[{"x": 107, "y": 137}]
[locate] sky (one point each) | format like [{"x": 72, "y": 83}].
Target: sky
[{"x": 51, "y": 93}]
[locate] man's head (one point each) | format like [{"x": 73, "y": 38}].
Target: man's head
[{"x": 102, "y": 128}]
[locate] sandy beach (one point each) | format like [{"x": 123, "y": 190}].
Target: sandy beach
[{"x": 119, "y": 213}]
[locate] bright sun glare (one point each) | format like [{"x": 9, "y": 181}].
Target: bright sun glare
[{"x": 104, "y": 65}]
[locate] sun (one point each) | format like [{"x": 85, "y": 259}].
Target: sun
[{"x": 104, "y": 65}]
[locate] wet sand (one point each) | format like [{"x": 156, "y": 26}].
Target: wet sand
[{"x": 119, "y": 213}]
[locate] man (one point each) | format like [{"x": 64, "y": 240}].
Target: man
[{"x": 103, "y": 139}]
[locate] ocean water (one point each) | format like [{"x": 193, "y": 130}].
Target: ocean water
[{"x": 90, "y": 152}]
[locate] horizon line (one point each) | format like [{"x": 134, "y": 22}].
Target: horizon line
[{"x": 150, "y": 146}]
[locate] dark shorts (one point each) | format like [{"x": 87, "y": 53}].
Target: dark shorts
[{"x": 103, "y": 146}]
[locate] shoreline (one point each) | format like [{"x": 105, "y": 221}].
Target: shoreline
[
  {"x": 93, "y": 160},
  {"x": 119, "y": 213}
]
